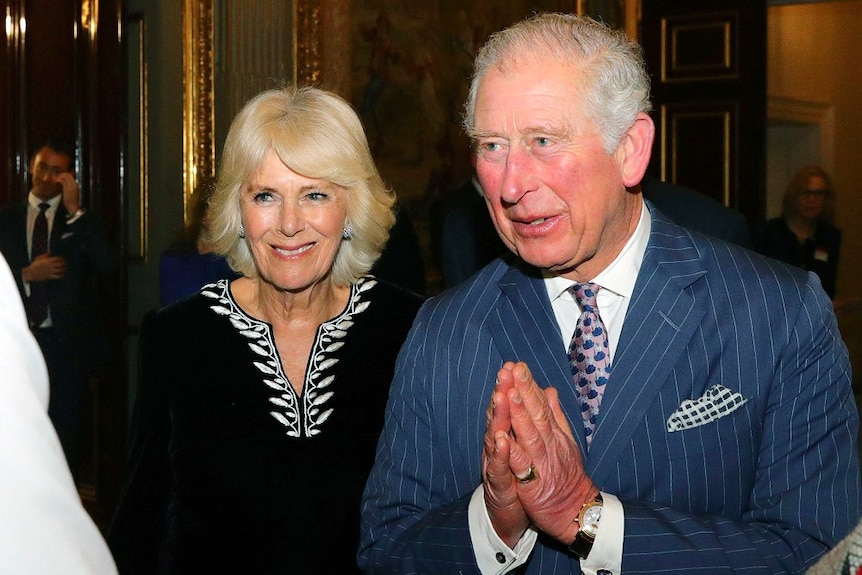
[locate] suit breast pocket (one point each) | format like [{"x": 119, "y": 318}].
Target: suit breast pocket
[
  {"x": 703, "y": 469},
  {"x": 732, "y": 434}
]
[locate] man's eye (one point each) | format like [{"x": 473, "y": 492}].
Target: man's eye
[{"x": 542, "y": 142}]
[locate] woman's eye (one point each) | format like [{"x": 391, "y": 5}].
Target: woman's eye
[
  {"x": 263, "y": 197},
  {"x": 316, "y": 196}
]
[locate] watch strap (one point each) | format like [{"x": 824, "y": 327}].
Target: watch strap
[{"x": 583, "y": 543}]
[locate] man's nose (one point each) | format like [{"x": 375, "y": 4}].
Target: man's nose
[{"x": 517, "y": 175}]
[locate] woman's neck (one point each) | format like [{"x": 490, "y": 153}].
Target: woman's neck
[{"x": 315, "y": 305}]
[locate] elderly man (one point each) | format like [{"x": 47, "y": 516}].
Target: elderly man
[{"x": 622, "y": 395}]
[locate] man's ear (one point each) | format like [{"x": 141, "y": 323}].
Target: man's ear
[{"x": 635, "y": 149}]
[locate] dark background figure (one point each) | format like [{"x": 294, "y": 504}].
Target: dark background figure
[
  {"x": 189, "y": 263},
  {"x": 468, "y": 240},
  {"x": 401, "y": 261},
  {"x": 58, "y": 286},
  {"x": 696, "y": 211},
  {"x": 803, "y": 235}
]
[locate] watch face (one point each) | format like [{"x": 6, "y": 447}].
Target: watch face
[{"x": 592, "y": 515}]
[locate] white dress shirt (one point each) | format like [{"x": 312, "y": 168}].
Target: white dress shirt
[{"x": 617, "y": 281}]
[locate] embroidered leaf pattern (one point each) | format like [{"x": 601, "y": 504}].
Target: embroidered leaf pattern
[
  {"x": 326, "y": 381},
  {"x": 264, "y": 368},
  {"x": 327, "y": 363},
  {"x": 299, "y": 415},
  {"x": 257, "y": 349}
]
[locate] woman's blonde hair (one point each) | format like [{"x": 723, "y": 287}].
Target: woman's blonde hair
[{"x": 317, "y": 135}]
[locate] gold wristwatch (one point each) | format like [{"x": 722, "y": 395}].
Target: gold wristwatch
[{"x": 588, "y": 520}]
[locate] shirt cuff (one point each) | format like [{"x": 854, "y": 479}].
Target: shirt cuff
[
  {"x": 493, "y": 557},
  {"x": 607, "y": 552},
  {"x": 72, "y": 217}
]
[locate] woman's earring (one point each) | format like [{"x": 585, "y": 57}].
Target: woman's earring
[
  {"x": 347, "y": 233},
  {"x": 241, "y": 231}
]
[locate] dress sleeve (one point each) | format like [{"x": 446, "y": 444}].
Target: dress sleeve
[{"x": 138, "y": 528}]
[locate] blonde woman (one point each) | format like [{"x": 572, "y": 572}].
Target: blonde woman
[
  {"x": 261, "y": 399},
  {"x": 804, "y": 235}
]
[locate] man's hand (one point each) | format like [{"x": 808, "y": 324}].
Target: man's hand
[
  {"x": 71, "y": 192},
  {"x": 544, "y": 439},
  {"x": 501, "y": 487},
  {"x": 45, "y": 267}
]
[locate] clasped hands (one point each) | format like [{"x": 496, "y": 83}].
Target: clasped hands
[{"x": 528, "y": 437}]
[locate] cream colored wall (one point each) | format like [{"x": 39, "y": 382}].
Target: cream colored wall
[{"x": 814, "y": 51}]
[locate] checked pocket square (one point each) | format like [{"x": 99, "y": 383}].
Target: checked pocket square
[{"x": 716, "y": 402}]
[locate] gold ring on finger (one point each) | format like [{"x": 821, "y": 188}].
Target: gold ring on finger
[{"x": 530, "y": 476}]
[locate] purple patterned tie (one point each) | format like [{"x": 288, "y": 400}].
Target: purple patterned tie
[
  {"x": 37, "y": 303},
  {"x": 588, "y": 354}
]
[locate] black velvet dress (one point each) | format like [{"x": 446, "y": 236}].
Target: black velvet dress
[{"x": 230, "y": 471}]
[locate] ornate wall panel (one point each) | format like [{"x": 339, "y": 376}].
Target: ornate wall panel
[
  {"x": 699, "y": 47},
  {"x": 232, "y": 50},
  {"x": 710, "y": 130}
]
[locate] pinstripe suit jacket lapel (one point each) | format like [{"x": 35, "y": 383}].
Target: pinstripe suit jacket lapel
[
  {"x": 662, "y": 317},
  {"x": 536, "y": 339}
]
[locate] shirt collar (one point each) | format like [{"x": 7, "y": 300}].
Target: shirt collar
[
  {"x": 52, "y": 203},
  {"x": 620, "y": 276}
]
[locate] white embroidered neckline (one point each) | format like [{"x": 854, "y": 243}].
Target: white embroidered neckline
[{"x": 315, "y": 390}]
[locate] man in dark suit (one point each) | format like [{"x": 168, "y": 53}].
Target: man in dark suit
[
  {"x": 55, "y": 270},
  {"x": 696, "y": 211},
  {"x": 624, "y": 395}
]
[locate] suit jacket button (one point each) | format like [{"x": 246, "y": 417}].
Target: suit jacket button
[{"x": 500, "y": 558}]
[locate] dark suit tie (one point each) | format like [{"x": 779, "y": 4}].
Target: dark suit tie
[
  {"x": 588, "y": 354},
  {"x": 37, "y": 308}
]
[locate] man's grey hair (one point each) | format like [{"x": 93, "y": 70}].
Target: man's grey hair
[{"x": 617, "y": 85}]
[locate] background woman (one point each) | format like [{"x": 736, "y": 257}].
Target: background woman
[
  {"x": 261, "y": 400},
  {"x": 804, "y": 235},
  {"x": 189, "y": 262}
]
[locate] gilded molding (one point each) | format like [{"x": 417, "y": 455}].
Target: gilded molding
[
  {"x": 198, "y": 107},
  {"x": 307, "y": 55}
]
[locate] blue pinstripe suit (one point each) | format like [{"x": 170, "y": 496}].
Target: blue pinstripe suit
[{"x": 765, "y": 489}]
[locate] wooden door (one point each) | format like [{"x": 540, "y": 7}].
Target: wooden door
[{"x": 707, "y": 61}]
